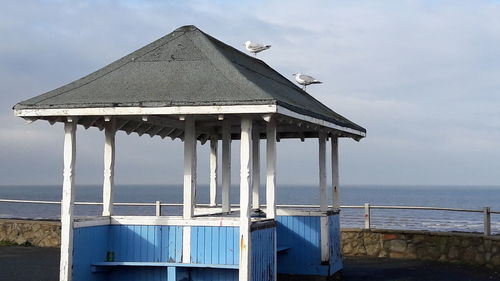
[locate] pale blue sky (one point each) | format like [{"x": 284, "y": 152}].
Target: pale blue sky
[{"x": 421, "y": 76}]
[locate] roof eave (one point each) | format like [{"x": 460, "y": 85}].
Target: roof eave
[{"x": 184, "y": 110}]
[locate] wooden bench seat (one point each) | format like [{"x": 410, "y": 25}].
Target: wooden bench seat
[
  {"x": 282, "y": 249},
  {"x": 164, "y": 264}
]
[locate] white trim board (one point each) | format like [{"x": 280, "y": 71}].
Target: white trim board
[
  {"x": 179, "y": 221},
  {"x": 171, "y": 220},
  {"x": 287, "y": 112},
  {"x": 300, "y": 213},
  {"x": 181, "y": 110},
  {"x": 92, "y": 222}
]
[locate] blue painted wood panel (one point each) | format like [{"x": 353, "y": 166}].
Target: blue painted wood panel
[
  {"x": 138, "y": 274},
  {"x": 215, "y": 245},
  {"x": 146, "y": 243},
  {"x": 263, "y": 254},
  {"x": 200, "y": 274},
  {"x": 302, "y": 235},
  {"x": 90, "y": 244},
  {"x": 335, "y": 246}
]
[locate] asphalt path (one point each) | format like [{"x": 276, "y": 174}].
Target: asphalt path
[{"x": 18, "y": 263}]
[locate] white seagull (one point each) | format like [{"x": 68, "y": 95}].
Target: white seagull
[
  {"x": 305, "y": 80},
  {"x": 255, "y": 47}
]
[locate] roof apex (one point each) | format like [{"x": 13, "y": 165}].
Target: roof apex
[{"x": 186, "y": 67}]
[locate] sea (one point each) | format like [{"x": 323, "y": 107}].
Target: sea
[{"x": 464, "y": 197}]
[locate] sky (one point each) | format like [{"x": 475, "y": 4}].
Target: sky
[{"x": 423, "y": 77}]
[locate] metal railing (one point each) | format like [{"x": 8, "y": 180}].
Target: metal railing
[{"x": 486, "y": 211}]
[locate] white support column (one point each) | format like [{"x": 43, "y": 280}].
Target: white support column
[
  {"x": 226, "y": 166},
  {"x": 186, "y": 244},
  {"x": 189, "y": 167},
  {"x": 322, "y": 172},
  {"x": 325, "y": 245},
  {"x": 109, "y": 168},
  {"x": 335, "y": 173},
  {"x": 68, "y": 199},
  {"x": 271, "y": 181},
  {"x": 213, "y": 170},
  {"x": 245, "y": 194},
  {"x": 271, "y": 170},
  {"x": 255, "y": 169}
]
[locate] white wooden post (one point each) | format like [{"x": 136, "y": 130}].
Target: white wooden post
[
  {"x": 109, "y": 168},
  {"x": 213, "y": 171},
  {"x": 226, "y": 166},
  {"x": 189, "y": 167},
  {"x": 335, "y": 173},
  {"x": 255, "y": 169},
  {"x": 271, "y": 169},
  {"x": 245, "y": 194},
  {"x": 487, "y": 221},
  {"x": 367, "y": 216},
  {"x": 325, "y": 245},
  {"x": 158, "y": 208},
  {"x": 68, "y": 199},
  {"x": 322, "y": 172},
  {"x": 271, "y": 181}
]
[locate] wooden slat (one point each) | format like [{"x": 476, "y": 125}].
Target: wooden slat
[{"x": 214, "y": 245}]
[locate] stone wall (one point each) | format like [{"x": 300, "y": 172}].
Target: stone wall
[
  {"x": 438, "y": 246},
  {"x": 31, "y": 232},
  {"x": 425, "y": 245}
]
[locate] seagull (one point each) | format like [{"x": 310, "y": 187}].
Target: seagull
[
  {"x": 305, "y": 80},
  {"x": 255, "y": 47}
]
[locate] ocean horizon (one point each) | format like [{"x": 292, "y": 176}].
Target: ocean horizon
[{"x": 448, "y": 196}]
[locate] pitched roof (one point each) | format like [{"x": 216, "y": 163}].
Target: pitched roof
[{"x": 185, "y": 68}]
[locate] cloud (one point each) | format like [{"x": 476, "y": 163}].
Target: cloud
[{"x": 421, "y": 76}]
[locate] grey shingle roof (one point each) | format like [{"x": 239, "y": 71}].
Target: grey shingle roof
[{"x": 186, "y": 67}]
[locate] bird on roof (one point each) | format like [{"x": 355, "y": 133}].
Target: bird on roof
[
  {"x": 305, "y": 80},
  {"x": 255, "y": 47}
]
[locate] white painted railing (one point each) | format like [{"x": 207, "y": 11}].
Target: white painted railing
[{"x": 486, "y": 211}]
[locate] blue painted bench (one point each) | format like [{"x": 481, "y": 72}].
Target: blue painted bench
[
  {"x": 165, "y": 264},
  {"x": 282, "y": 249},
  {"x": 171, "y": 267}
]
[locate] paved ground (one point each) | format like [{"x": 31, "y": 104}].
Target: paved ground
[
  {"x": 383, "y": 269},
  {"x": 19, "y": 263}
]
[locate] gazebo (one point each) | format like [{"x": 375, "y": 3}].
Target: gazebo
[{"x": 191, "y": 86}]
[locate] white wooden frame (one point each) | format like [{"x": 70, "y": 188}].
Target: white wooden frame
[
  {"x": 164, "y": 220},
  {"x": 226, "y": 166},
  {"x": 68, "y": 200},
  {"x": 255, "y": 169},
  {"x": 245, "y": 270},
  {"x": 94, "y": 221},
  {"x": 271, "y": 169},
  {"x": 109, "y": 168},
  {"x": 299, "y": 212},
  {"x": 182, "y": 110},
  {"x": 335, "y": 174},
  {"x": 189, "y": 167},
  {"x": 323, "y": 206},
  {"x": 213, "y": 171}
]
